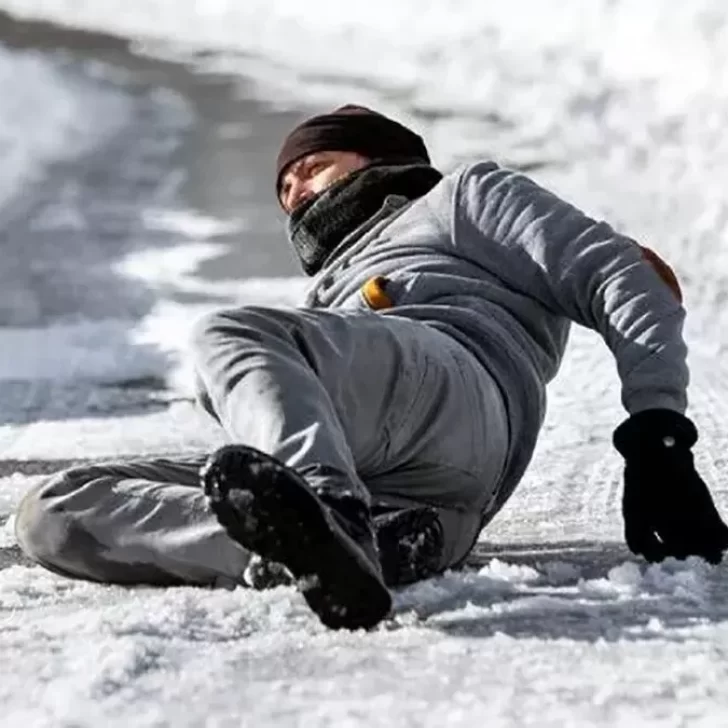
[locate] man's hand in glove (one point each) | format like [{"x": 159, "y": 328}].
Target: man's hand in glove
[{"x": 667, "y": 508}]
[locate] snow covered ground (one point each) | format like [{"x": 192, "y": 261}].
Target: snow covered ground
[{"x": 621, "y": 106}]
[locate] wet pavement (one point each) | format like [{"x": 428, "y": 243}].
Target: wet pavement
[
  {"x": 199, "y": 145},
  {"x": 193, "y": 142}
]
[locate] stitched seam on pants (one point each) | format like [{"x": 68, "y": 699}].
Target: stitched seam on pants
[
  {"x": 405, "y": 419},
  {"x": 444, "y": 461},
  {"x": 482, "y": 434},
  {"x": 472, "y": 440}
]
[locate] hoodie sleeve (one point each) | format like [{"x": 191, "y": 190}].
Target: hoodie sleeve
[{"x": 576, "y": 267}]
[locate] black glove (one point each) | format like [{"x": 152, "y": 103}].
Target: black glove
[{"x": 667, "y": 508}]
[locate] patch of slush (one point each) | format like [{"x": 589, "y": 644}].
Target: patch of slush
[
  {"x": 171, "y": 272},
  {"x": 48, "y": 114},
  {"x": 79, "y": 365},
  {"x": 101, "y": 351},
  {"x": 76, "y": 363}
]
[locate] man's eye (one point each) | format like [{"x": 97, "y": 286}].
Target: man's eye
[{"x": 315, "y": 167}]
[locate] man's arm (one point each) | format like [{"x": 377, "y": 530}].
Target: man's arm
[
  {"x": 543, "y": 247},
  {"x": 582, "y": 269}
]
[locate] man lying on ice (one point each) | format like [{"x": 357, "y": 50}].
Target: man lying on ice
[{"x": 379, "y": 427}]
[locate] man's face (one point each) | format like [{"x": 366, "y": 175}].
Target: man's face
[{"x": 315, "y": 172}]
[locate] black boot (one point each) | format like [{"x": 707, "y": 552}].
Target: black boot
[
  {"x": 325, "y": 542},
  {"x": 410, "y": 543},
  {"x": 262, "y": 574}
]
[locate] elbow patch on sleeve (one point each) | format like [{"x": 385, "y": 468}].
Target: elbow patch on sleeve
[{"x": 663, "y": 270}]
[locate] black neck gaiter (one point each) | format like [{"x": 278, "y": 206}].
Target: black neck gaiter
[{"x": 317, "y": 226}]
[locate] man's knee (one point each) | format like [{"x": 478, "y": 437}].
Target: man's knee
[
  {"x": 221, "y": 340},
  {"x": 208, "y": 326},
  {"x": 44, "y": 529},
  {"x": 246, "y": 322}
]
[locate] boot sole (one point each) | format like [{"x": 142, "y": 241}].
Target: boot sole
[{"x": 269, "y": 510}]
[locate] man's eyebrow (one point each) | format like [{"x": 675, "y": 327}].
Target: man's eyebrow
[
  {"x": 295, "y": 168},
  {"x": 303, "y": 161}
]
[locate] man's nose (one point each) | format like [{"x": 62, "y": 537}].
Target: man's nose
[{"x": 300, "y": 192}]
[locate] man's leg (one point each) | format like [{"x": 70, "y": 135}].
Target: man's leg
[
  {"x": 383, "y": 400},
  {"x": 383, "y": 407},
  {"x": 129, "y": 523}
]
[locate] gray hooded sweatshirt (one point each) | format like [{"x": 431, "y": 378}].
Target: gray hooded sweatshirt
[{"x": 504, "y": 266}]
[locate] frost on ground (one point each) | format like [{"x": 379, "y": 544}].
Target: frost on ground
[
  {"x": 500, "y": 645},
  {"x": 622, "y": 107}
]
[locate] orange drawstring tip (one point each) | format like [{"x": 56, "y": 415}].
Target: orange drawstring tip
[{"x": 375, "y": 295}]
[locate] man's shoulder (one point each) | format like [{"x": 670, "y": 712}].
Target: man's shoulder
[
  {"x": 474, "y": 168},
  {"x": 457, "y": 179},
  {"x": 469, "y": 180}
]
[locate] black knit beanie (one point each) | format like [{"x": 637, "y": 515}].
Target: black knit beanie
[{"x": 351, "y": 128}]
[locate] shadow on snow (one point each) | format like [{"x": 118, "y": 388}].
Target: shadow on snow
[{"x": 578, "y": 590}]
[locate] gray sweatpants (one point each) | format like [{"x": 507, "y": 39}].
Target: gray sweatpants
[{"x": 403, "y": 410}]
